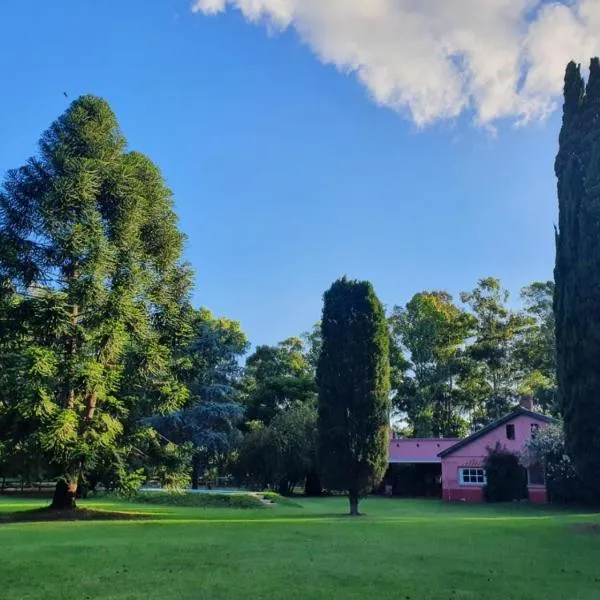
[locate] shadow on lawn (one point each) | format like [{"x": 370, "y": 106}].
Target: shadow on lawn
[{"x": 47, "y": 514}]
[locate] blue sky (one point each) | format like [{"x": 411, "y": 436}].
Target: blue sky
[{"x": 285, "y": 173}]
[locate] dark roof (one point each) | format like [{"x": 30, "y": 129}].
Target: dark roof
[{"x": 519, "y": 412}]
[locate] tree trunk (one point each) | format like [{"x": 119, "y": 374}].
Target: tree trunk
[
  {"x": 353, "y": 500},
  {"x": 72, "y": 346},
  {"x": 90, "y": 407},
  {"x": 64, "y": 494}
]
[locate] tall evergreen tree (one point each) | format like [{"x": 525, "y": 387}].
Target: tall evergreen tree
[
  {"x": 577, "y": 272},
  {"x": 90, "y": 248},
  {"x": 353, "y": 379}
]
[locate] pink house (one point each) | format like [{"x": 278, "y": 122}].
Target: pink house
[{"x": 459, "y": 463}]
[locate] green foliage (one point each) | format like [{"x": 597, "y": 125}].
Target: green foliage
[
  {"x": 198, "y": 500},
  {"x": 506, "y": 477},
  {"x": 210, "y": 361},
  {"x": 535, "y": 352},
  {"x": 432, "y": 331},
  {"x": 353, "y": 377},
  {"x": 282, "y": 454},
  {"x": 454, "y": 368},
  {"x": 253, "y": 465},
  {"x": 208, "y": 425},
  {"x": 547, "y": 449},
  {"x": 577, "y": 273},
  {"x": 90, "y": 258},
  {"x": 276, "y": 378},
  {"x": 493, "y": 379},
  {"x": 312, "y": 343}
]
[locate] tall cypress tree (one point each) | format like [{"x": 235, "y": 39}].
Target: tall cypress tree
[
  {"x": 91, "y": 253},
  {"x": 353, "y": 378},
  {"x": 577, "y": 272}
]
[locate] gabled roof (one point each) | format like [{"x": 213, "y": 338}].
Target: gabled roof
[{"x": 519, "y": 412}]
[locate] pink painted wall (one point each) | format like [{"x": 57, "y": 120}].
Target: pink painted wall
[
  {"x": 415, "y": 450},
  {"x": 472, "y": 455}
]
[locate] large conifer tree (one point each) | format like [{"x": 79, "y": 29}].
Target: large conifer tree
[
  {"x": 577, "y": 272},
  {"x": 353, "y": 378},
  {"x": 90, "y": 254}
]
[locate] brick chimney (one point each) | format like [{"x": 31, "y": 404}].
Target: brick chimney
[{"x": 527, "y": 403}]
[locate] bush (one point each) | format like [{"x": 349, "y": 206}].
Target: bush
[
  {"x": 547, "y": 448},
  {"x": 506, "y": 477},
  {"x": 198, "y": 500}
]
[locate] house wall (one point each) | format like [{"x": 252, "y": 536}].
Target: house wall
[
  {"x": 415, "y": 450},
  {"x": 473, "y": 455}
]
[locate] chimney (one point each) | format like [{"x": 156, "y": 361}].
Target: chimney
[{"x": 527, "y": 403}]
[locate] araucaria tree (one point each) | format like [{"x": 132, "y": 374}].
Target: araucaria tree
[
  {"x": 93, "y": 291},
  {"x": 577, "y": 273},
  {"x": 353, "y": 380}
]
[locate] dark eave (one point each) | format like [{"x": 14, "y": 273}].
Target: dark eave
[{"x": 519, "y": 412}]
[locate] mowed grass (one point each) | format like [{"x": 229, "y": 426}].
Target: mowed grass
[{"x": 402, "y": 549}]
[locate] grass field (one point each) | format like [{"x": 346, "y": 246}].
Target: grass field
[{"x": 402, "y": 549}]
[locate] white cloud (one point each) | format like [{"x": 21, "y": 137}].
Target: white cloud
[{"x": 435, "y": 59}]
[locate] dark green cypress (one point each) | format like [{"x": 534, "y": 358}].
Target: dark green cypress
[
  {"x": 353, "y": 378},
  {"x": 577, "y": 273}
]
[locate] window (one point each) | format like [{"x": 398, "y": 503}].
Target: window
[
  {"x": 534, "y": 429},
  {"x": 535, "y": 475},
  {"x": 510, "y": 431},
  {"x": 472, "y": 476}
]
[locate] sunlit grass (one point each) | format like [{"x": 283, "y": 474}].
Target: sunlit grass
[{"x": 425, "y": 550}]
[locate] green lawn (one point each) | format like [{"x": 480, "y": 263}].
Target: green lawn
[{"x": 402, "y": 549}]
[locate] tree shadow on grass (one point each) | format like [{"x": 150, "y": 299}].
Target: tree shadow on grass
[{"x": 48, "y": 514}]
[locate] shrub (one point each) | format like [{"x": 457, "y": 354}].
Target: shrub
[
  {"x": 506, "y": 477},
  {"x": 547, "y": 448},
  {"x": 198, "y": 500}
]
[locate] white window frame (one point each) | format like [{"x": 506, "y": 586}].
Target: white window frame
[{"x": 480, "y": 473}]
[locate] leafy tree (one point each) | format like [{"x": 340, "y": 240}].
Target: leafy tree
[
  {"x": 536, "y": 350},
  {"x": 283, "y": 454},
  {"x": 547, "y": 449},
  {"x": 211, "y": 429},
  {"x": 277, "y": 377},
  {"x": 254, "y": 464},
  {"x": 312, "y": 346},
  {"x": 432, "y": 331},
  {"x": 293, "y": 438},
  {"x": 353, "y": 378},
  {"x": 90, "y": 247},
  {"x": 211, "y": 359},
  {"x": 493, "y": 380},
  {"x": 209, "y": 367},
  {"x": 577, "y": 272}
]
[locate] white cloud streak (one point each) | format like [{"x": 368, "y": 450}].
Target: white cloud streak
[{"x": 435, "y": 59}]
